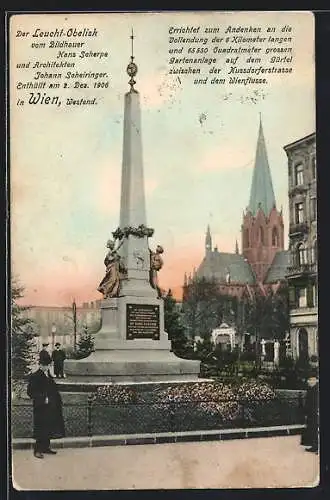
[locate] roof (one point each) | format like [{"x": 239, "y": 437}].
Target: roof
[
  {"x": 262, "y": 192},
  {"x": 217, "y": 265},
  {"x": 278, "y": 268},
  {"x": 298, "y": 142}
]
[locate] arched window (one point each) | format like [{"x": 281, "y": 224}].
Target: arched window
[
  {"x": 275, "y": 237},
  {"x": 301, "y": 254},
  {"x": 261, "y": 235},
  {"x": 246, "y": 238}
]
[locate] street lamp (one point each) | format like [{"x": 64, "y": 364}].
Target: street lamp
[{"x": 53, "y": 334}]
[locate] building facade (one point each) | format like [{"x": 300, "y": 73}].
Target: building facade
[
  {"x": 302, "y": 270},
  {"x": 56, "y": 324}
]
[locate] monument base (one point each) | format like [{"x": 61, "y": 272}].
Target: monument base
[
  {"x": 132, "y": 346},
  {"x": 122, "y": 366}
]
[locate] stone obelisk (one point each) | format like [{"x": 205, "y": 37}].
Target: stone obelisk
[{"x": 132, "y": 345}]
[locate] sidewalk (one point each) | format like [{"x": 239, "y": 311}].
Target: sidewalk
[
  {"x": 250, "y": 463},
  {"x": 164, "y": 437}
]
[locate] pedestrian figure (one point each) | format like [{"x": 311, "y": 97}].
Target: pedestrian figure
[
  {"x": 48, "y": 420},
  {"x": 310, "y": 435},
  {"x": 45, "y": 351},
  {"x": 58, "y": 357}
]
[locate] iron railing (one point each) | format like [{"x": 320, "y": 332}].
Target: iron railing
[{"x": 95, "y": 418}]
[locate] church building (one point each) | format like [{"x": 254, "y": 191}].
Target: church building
[{"x": 263, "y": 262}]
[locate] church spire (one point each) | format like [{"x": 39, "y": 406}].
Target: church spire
[
  {"x": 236, "y": 248},
  {"x": 208, "y": 241},
  {"x": 262, "y": 192}
]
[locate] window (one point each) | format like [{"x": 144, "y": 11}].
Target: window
[
  {"x": 299, "y": 174},
  {"x": 261, "y": 235},
  {"x": 310, "y": 295},
  {"x": 313, "y": 167},
  {"x": 302, "y": 297},
  {"x": 314, "y": 252},
  {"x": 315, "y": 296},
  {"x": 246, "y": 238},
  {"x": 292, "y": 297},
  {"x": 302, "y": 254},
  {"x": 299, "y": 213},
  {"x": 275, "y": 237},
  {"x": 313, "y": 209}
]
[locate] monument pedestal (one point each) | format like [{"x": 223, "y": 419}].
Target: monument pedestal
[{"x": 132, "y": 346}]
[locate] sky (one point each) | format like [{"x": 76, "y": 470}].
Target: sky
[{"x": 65, "y": 162}]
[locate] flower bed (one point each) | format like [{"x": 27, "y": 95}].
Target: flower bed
[
  {"x": 176, "y": 407},
  {"x": 114, "y": 394}
]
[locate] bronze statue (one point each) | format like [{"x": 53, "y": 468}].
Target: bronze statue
[
  {"x": 110, "y": 284},
  {"x": 156, "y": 263}
]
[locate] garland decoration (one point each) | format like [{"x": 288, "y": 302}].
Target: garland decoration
[{"x": 139, "y": 231}]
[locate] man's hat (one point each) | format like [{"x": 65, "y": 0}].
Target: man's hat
[
  {"x": 44, "y": 358},
  {"x": 57, "y": 343},
  {"x": 45, "y": 344}
]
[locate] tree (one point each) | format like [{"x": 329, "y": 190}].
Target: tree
[
  {"x": 85, "y": 345},
  {"x": 267, "y": 315},
  {"x": 173, "y": 325},
  {"x": 23, "y": 331},
  {"x": 205, "y": 307}
]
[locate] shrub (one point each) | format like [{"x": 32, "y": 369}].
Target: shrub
[
  {"x": 114, "y": 394},
  {"x": 253, "y": 391},
  {"x": 196, "y": 392},
  {"x": 208, "y": 398}
]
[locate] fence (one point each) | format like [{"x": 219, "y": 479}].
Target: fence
[{"x": 93, "y": 418}]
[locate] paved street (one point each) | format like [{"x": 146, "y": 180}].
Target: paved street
[{"x": 257, "y": 463}]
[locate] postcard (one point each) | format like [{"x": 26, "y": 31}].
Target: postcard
[{"x": 163, "y": 250}]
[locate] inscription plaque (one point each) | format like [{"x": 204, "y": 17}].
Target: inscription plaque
[{"x": 142, "y": 321}]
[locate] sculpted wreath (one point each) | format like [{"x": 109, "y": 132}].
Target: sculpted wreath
[{"x": 139, "y": 231}]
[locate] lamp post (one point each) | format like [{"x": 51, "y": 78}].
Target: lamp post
[
  {"x": 74, "y": 316},
  {"x": 53, "y": 334}
]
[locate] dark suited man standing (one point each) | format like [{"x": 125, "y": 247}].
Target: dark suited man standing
[
  {"x": 310, "y": 435},
  {"x": 48, "y": 420},
  {"x": 45, "y": 351},
  {"x": 58, "y": 357}
]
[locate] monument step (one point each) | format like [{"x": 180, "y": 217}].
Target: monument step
[
  {"x": 104, "y": 343},
  {"x": 132, "y": 364}
]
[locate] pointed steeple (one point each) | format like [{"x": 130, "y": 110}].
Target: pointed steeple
[
  {"x": 236, "y": 248},
  {"x": 208, "y": 241},
  {"x": 185, "y": 279},
  {"x": 262, "y": 192}
]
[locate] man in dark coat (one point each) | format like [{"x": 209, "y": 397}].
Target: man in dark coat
[
  {"x": 58, "y": 357},
  {"x": 310, "y": 436},
  {"x": 48, "y": 420},
  {"x": 44, "y": 352}
]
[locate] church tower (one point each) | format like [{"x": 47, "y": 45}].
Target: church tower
[
  {"x": 208, "y": 242},
  {"x": 262, "y": 228}
]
